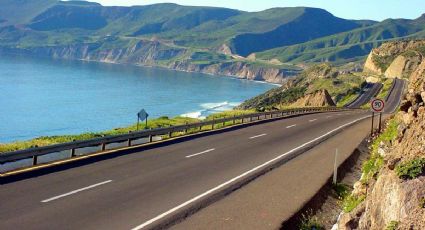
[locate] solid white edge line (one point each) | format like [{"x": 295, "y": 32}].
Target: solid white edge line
[
  {"x": 160, "y": 216},
  {"x": 206, "y": 151},
  {"x": 312, "y": 120},
  {"x": 258, "y": 136},
  {"x": 288, "y": 127},
  {"x": 76, "y": 191}
]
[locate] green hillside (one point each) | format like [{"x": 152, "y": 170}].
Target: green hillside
[
  {"x": 22, "y": 11},
  {"x": 289, "y": 35},
  {"x": 349, "y": 45}
]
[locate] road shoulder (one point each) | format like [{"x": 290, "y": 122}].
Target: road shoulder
[{"x": 276, "y": 196}]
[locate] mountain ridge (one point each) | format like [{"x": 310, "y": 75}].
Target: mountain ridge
[{"x": 273, "y": 40}]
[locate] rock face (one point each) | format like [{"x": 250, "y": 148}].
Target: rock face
[
  {"x": 319, "y": 98},
  {"x": 390, "y": 198},
  {"x": 395, "y": 58},
  {"x": 237, "y": 69},
  {"x": 156, "y": 53}
]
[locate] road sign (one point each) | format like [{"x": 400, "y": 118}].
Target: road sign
[
  {"x": 377, "y": 105},
  {"x": 142, "y": 115}
]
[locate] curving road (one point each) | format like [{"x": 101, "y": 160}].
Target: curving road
[
  {"x": 144, "y": 189},
  {"x": 368, "y": 92}
]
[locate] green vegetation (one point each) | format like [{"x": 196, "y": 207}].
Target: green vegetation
[
  {"x": 348, "y": 46},
  {"x": 278, "y": 33},
  {"x": 351, "y": 202},
  {"x": 44, "y": 141},
  {"x": 152, "y": 123},
  {"x": 341, "y": 191},
  {"x": 274, "y": 98},
  {"x": 422, "y": 202},
  {"x": 309, "y": 222},
  {"x": 347, "y": 99},
  {"x": 387, "y": 83},
  {"x": 383, "y": 62},
  {"x": 392, "y": 225},
  {"x": 411, "y": 169},
  {"x": 371, "y": 167}
]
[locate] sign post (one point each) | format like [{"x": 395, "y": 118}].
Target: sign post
[
  {"x": 142, "y": 115},
  {"x": 377, "y": 106}
]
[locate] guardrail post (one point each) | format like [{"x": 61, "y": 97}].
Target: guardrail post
[
  {"x": 185, "y": 130},
  {"x": 103, "y": 146},
  {"x": 34, "y": 160},
  {"x": 72, "y": 152},
  {"x": 242, "y": 121},
  {"x": 150, "y": 138},
  {"x": 224, "y": 122},
  {"x": 170, "y": 134},
  {"x": 250, "y": 119},
  {"x": 234, "y": 120},
  {"x": 212, "y": 126}
]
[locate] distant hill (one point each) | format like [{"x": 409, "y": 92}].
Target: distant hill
[
  {"x": 173, "y": 36},
  {"x": 14, "y": 12},
  {"x": 348, "y": 45}
]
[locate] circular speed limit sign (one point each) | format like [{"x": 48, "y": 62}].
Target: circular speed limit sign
[{"x": 377, "y": 105}]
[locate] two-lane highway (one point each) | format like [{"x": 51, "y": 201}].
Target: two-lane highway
[
  {"x": 368, "y": 92},
  {"x": 141, "y": 190}
]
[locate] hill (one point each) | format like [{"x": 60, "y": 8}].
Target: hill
[{"x": 268, "y": 45}]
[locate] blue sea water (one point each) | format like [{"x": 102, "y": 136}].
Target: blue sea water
[{"x": 43, "y": 97}]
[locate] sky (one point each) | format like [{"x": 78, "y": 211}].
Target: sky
[{"x": 348, "y": 9}]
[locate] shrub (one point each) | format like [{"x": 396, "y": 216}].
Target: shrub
[
  {"x": 310, "y": 223},
  {"x": 411, "y": 169},
  {"x": 422, "y": 202},
  {"x": 341, "y": 191},
  {"x": 351, "y": 202},
  {"x": 392, "y": 225}
]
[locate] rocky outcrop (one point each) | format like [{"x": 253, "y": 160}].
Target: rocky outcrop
[
  {"x": 386, "y": 58},
  {"x": 156, "y": 53},
  {"x": 236, "y": 69},
  {"x": 317, "y": 99},
  {"x": 391, "y": 198}
]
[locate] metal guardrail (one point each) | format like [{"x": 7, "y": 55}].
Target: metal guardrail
[{"x": 102, "y": 142}]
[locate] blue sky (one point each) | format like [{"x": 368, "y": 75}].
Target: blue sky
[{"x": 349, "y": 9}]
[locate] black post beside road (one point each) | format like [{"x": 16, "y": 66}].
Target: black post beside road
[
  {"x": 380, "y": 121},
  {"x": 373, "y": 117}
]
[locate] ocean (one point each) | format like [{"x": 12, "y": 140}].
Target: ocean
[{"x": 44, "y": 97}]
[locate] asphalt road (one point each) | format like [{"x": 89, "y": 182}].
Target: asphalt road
[
  {"x": 368, "y": 92},
  {"x": 140, "y": 190},
  {"x": 395, "y": 97},
  {"x": 128, "y": 191}
]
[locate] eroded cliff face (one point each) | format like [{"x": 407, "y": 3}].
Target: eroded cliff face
[
  {"x": 393, "y": 59},
  {"x": 391, "y": 198},
  {"x": 236, "y": 69},
  {"x": 319, "y": 98},
  {"x": 156, "y": 53}
]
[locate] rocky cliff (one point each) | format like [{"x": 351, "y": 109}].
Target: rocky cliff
[
  {"x": 159, "y": 54},
  {"x": 395, "y": 59},
  {"x": 395, "y": 196},
  {"x": 316, "y": 99}
]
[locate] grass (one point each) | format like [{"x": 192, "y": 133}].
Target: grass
[
  {"x": 50, "y": 140},
  {"x": 410, "y": 169},
  {"x": 422, "y": 202},
  {"x": 387, "y": 83},
  {"x": 347, "y": 99},
  {"x": 153, "y": 123},
  {"x": 392, "y": 225},
  {"x": 309, "y": 222},
  {"x": 351, "y": 202},
  {"x": 371, "y": 167},
  {"x": 341, "y": 191}
]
